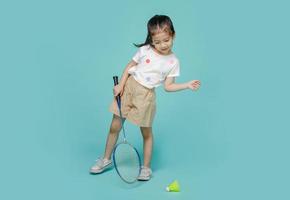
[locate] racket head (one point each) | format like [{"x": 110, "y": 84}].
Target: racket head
[{"x": 127, "y": 162}]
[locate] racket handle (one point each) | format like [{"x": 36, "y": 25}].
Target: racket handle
[
  {"x": 115, "y": 78},
  {"x": 118, "y": 98}
]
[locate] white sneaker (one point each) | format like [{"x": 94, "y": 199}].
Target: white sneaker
[
  {"x": 145, "y": 174},
  {"x": 100, "y": 165}
]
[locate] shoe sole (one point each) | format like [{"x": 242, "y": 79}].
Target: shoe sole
[{"x": 143, "y": 178}]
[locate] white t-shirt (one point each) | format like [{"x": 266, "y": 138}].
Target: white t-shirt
[{"x": 153, "y": 68}]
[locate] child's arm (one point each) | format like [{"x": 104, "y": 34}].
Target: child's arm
[
  {"x": 171, "y": 86},
  {"x": 118, "y": 89}
]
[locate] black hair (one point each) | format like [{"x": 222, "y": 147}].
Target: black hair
[{"x": 156, "y": 23}]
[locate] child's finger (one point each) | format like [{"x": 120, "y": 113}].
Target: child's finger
[
  {"x": 197, "y": 83},
  {"x": 115, "y": 93}
]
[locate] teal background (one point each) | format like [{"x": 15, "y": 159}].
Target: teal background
[{"x": 229, "y": 140}]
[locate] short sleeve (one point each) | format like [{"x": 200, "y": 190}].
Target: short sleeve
[
  {"x": 137, "y": 55},
  {"x": 175, "y": 71}
]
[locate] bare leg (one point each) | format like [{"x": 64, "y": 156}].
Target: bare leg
[
  {"x": 112, "y": 136},
  {"x": 147, "y": 144}
]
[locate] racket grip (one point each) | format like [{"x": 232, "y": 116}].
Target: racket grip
[
  {"x": 118, "y": 98},
  {"x": 116, "y": 82}
]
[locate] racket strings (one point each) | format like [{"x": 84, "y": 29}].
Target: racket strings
[{"x": 127, "y": 162}]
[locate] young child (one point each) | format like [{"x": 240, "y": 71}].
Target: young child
[{"x": 153, "y": 64}]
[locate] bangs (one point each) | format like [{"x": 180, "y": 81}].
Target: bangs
[{"x": 159, "y": 29}]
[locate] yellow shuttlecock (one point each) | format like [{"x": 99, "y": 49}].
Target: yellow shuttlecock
[{"x": 173, "y": 187}]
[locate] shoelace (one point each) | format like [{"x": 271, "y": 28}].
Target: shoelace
[
  {"x": 145, "y": 171},
  {"x": 100, "y": 162}
]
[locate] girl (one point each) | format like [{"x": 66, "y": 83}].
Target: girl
[{"x": 153, "y": 64}]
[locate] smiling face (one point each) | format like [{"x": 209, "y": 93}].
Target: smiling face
[{"x": 162, "y": 42}]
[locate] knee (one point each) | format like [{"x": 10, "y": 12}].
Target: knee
[
  {"x": 115, "y": 128},
  {"x": 147, "y": 133}
]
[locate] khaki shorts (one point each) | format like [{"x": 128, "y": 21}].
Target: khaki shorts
[{"x": 137, "y": 103}]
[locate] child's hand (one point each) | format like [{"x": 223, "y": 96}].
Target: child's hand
[
  {"x": 193, "y": 85},
  {"x": 118, "y": 89}
]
